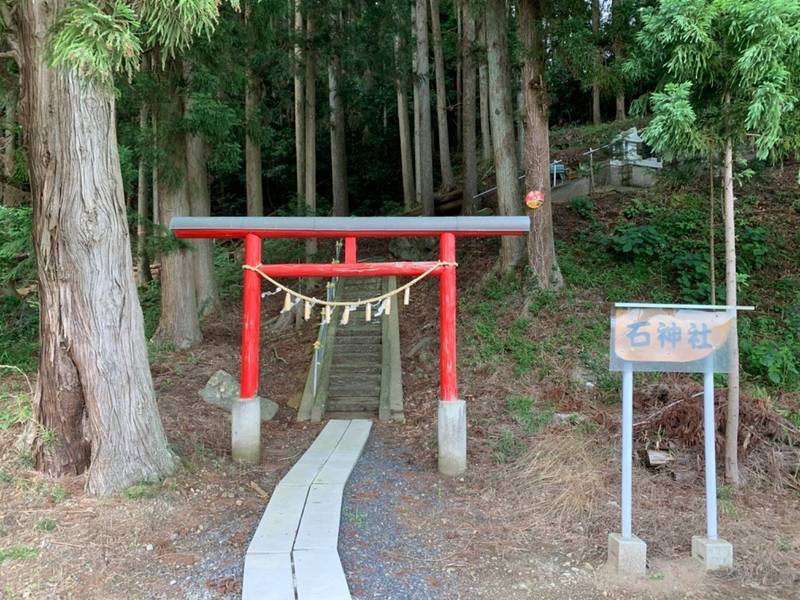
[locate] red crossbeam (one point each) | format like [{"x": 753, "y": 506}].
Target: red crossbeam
[{"x": 384, "y": 269}]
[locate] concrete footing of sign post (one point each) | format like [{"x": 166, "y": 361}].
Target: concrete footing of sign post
[
  {"x": 246, "y": 430},
  {"x": 452, "y": 437},
  {"x": 627, "y": 557},
  {"x": 712, "y": 554}
]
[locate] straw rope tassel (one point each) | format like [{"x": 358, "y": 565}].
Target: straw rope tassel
[
  {"x": 406, "y": 296},
  {"x": 307, "y": 311},
  {"x": 387, "y": 304},
  {"x": 345, "y": 316},
  {"x": 368, "y": 314},
  {"x": 287, "y": 303}
]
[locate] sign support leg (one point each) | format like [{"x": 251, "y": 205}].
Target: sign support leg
[
  {"x": 712, "y": 551},
  {"x": 246, "y": 412},
  {"x": 627, "y": 554},
  {"x": 627, "y": 451},
  {"x": 452, "y": 424}
]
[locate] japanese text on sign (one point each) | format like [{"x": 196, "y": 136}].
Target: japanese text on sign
[{"x": 669, "y": 339}]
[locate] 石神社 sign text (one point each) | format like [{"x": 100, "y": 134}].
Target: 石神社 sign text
[{"x": 670, "y": 338}]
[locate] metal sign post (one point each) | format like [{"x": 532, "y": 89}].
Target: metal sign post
[{"x": 669, "y": 338}]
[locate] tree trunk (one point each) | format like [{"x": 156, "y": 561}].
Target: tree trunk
[
  {"x": 311, "y": 133},
  {"x": 94, "y": 392},
  {"x": 459, "y": 74},
  {"x": 299, "y": 106},
  {"x": 618, "y": 57},
  {"x": 179, "y": 324},
  {"x": 253, "y": 173},
  {"x": 207, "y": 295},
  {"x": 620, "y": 116},
  {"x": 441, "y": 100},
  {"x": 9, "y": 141},
  {"x": 405, "y": 131},
  {"x": 520, "y": 116},
  {"x": 483, "y": 93},
  {"x": 468, "y": 136},
  {"x": 732, "y": 419},
  {"x": 417, "y": 117},
  {"x": 338, "y": 145},
  {"x": 509, "y": 200},
  {"x": 541, "y": 249},
  {"x": 423, "y": 84},
  {"x": 598, "y": 57},
  {"x": 712, "y": 266},
  {"x": 154, "y": 174},
  {"x": 142, "y": 262}
]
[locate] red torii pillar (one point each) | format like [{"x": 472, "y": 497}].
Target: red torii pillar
[{"x": 246, "y": 413}]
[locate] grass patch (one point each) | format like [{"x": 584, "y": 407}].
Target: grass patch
[
  {"x": 18, "y": 553},
  {"x": 530, "y": 417},
  {"x": 145, "y": 490},
  {"x": 47, "y": 524},
  {"x": 508, "y": 448},
  {"x": 58, "y": 494},
  {"x": 5, "y": 476}
]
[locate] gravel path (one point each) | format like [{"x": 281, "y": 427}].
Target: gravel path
[{"x": 384, "y": 555}]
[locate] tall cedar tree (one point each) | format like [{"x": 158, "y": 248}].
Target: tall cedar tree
[{"x": 732, "y": 68}]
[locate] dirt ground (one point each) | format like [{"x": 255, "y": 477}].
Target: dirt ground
[{"x": 532, "y": 528}]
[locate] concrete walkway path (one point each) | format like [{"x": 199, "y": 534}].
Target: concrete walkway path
[{"x": 293, "y": 554}]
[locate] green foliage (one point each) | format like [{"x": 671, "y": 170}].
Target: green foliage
[
  {"x": 145, "y": 490},
  {"x": 732, "y": 69},
  {"x": 17, "y": 260},
  {"x": 46, "y": 525},
  {"x": 583, "y": 207},
  {"x": 18, "y": 553},
  {"x": 530, "y": 417},
  {"x": 15, "y": 409},
  {"x": 508, "y": 448},
  {"x": 97, "y": 39},
  {"x": 637, "y": 240}
]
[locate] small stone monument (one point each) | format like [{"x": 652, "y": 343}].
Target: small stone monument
[{"x": 222, "y": 390}]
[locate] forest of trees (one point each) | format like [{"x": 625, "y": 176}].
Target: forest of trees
[{"x": 118, "y": 116}]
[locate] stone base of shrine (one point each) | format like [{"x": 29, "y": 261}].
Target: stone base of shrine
[
  {"x": 246, "y": 430},
  {"x": 452, "y": 437}
]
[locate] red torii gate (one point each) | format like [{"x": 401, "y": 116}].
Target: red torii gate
[{"x": 245, "y": 414}]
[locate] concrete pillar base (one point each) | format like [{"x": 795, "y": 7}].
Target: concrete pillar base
[
  {"x": 452, "y": 437},
  {"x": 246, "y": 430},
  {"x": 627, "y": 557},
  {"x": 713, "y": 554}
]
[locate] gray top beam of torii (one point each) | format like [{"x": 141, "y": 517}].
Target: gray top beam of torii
[{"x": 320, "y": 227}]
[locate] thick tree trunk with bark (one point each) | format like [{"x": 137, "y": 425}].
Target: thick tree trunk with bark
[
  {"x": 179, "y": 324},
  {"x": 404, "y": 127},
  {"x": 341, "y": 206},
  {"x": 469, "y": 153},
  {"x": 423, "y": 124},
  {"x": 142, "y": 261},
  {"x": 620, "y": 114},
  {"x": 509, "y": 200},
  {"x": 541, "y": 249},
  {"x": 596, "y": 117},
  {"x": 200, "y": 205},
  {"x": 441, "y": 100},
  {"x": 94, "y": 392},
  {"x": 311, "y": 133},
  {"x": 253, "y": 173},
  {"x": 299, "y": 104},
  {"x": 732, "y": 418},
  {"x": 483, "y": 93}
]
